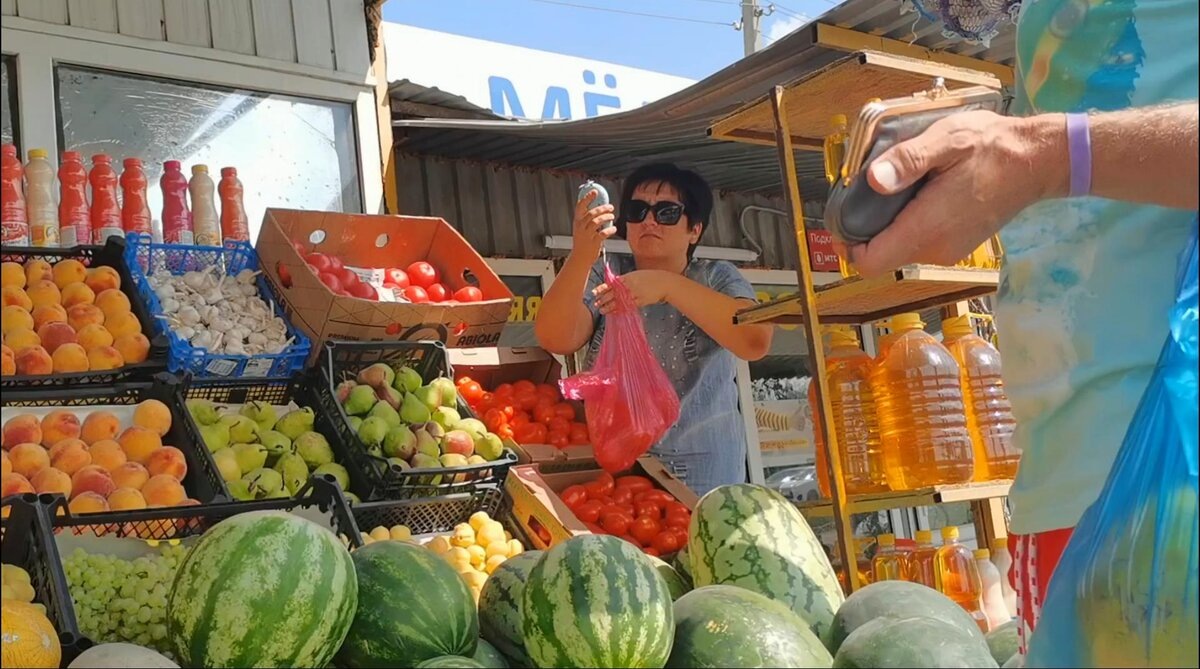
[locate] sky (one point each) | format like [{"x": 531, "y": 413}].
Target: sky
[{"x": 686, "y": 38}]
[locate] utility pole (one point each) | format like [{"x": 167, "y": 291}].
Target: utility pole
[{"x": 751, "y": 15}]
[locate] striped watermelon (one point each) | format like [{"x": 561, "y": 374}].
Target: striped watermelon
[
  {"x": 487, "y": 655},
  {"x": 500, "y": 606},
  {"x": 450, "y": 662},
  {"x": 596, "y": 601},
  {"x": 675, "y": 583},
  {"x": 754, "y": 538},
  {"x": 413, "y": 607},
  {"x": 262, "y": 589}
]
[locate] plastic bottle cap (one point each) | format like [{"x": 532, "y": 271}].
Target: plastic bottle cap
[
  {"x": 133, "y": 162},
  {"x": 949, "y": 532},
  {"x": 924, "y": 537},
  {"x": 904, "y": 322},
  {"x": 72, "y": 156},
  {"x": 959, "y": 326},
  {"x": 37, "y": 153},
  {"x": 199, "y": 169},
  {"x": 841, "y": 336},
  {"x": 886, "y": 539},
  {"x": 838, "y": 119},
  {"x": 1000, "y": 542},
  {"x": 229, "y": 171},
  {"x": 983, "y": 554},
  {"x": 101, "y": 158},
  {"x": 172, "y": 165}
]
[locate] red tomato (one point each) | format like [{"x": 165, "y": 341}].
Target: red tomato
[
  {"x": 521, "y": 418},
  {"x": 319, "y": 261},
  {"x": 504, "y": 390},
  {"x": 667, "y": 542},
  {"x": 416, "y": 294},
  {"x": 605, "y": 481},
  {"x": 468, "y": 294},
  {"x": 559, "y": 440},
  {"x": 559, "y": 424},
  {"x": 336, "y": 263},
  {"x": 509, "y": 411},
  {"x": 615, "y": 522},
  {"x": 348, "y": 276},
  {"x": 364, "y": 291},
  {"x": 635, "y": 483},
  {"x": 594, "y": 528},
  {"x": 493, "y": 419},
  {"x": 437, "y": 292},
  {"x": 631, "y": 540},
  {"x": 622, "y": 496},
  {"x": 527, "y": 401},
  {"x": 471, "y": 392},
  {"x": 565, "y": 411},
  {"x": 573, "y": 496},
  {"x": 332, "y": 281},
  {"x": 397, "y": 276},
  {"x": 543, "y": 401},
  {"x": 530, "y": 433},
  {"x": 594, "y": 490},
  {"x": 548, "y": 390},
  {"x": 589, "y": 511},
  {"x": 644, "y": 529},
  {"x": 648, "y": 508},
  {"x": 652, "y": 551},
  {"x": 462, "y": 381},
  {"x": 299, "y": 249},
  {"x": 662, "y": 497},
  {"x": 505, "y": 432},
  {"x": 487, "y": 398},
  {"x": 678, "y": 520},
  {"x": 675, "y": 507},
  {"x": 524, "y": 385},
  {"x": 543, "y": 414},
  {"x": 578, "y": 434},
  {"x": 422, "y": 274}
]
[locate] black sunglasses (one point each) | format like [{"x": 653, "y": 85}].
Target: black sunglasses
[{"x": 665, "y": 212}]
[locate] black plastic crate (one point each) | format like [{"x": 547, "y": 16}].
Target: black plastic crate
[
  {"x": 111, "y": 254},
  {"x": 279, "y": 392},
  {"x": 342, "y": 360},
  {"x": 202, "y": 481},
  {"x": 28, "y": 542},
  {"x": 437, "y": 514}
]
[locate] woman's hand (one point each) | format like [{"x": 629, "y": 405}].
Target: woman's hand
[
  {"x": 591, "y": 227},
  {"x": 648, "y": 286}
]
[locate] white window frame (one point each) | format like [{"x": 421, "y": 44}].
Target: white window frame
[{"x": 40, "y": 47}]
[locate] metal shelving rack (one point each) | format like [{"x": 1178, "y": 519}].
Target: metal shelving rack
[{"x": 794, "y": 117}]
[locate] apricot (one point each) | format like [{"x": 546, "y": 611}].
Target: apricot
[
  {"x": 58, "y": 425},
  {"x": 8, "y": 361},
  {"x": 12, "y": 274},
  {"x": 82, "y": 315},
  {"x": 70, "y": 455},
  {"x": 99, "y": 426},
  {"x": 88, "y": 502},
  {"x": 67, "y": 272},
  {"x": 36, "y": 270},
  {"x": 53, "y": 313},
  {"x": 34, "y": 360},
  {"x": 28, "y": 459},
  {"x": 105, "y": 357},
  {"x": 11, "y": 296},
  {"x": 107, "y": 454},
  {"x": 56, "y": 334},
  {"x": 93, "y": 336},
  {"x": 51, "y": 480},
  {"x": 153, "y": 415},
  {"x": 92, "y": 478},
  {"x": 14, "y": 317},
  {"x": 6, "y": 468},
  {"x": 77, "y": 293},
  {"x": 139, "y": 443},
  {"x": 70, "y": 359},
  {"x": 103, "y": 278},
  {"x": 133, "y": 347},
  {"x": 163, "y": 490},
  {"x": 23, "y": 429},
  {"x": 14, "y": 484},
  {"x": 130, "y": 475},
  {"x": 123, "y": 323},
  {"x": 112, "y": 301},
  {"x": 43, "y": 293},
  {"x": 167, "y": 460},
  {"x": 19, "y": 340},
  {"x": 126, "y": 499}
]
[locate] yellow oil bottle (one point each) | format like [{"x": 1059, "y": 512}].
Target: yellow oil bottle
[
  {"x": 958, "y": 576},
  {"x": 989, "y": 414},
  {"x": 920, "y": 565},
  {"x": 888, "y": 564}
]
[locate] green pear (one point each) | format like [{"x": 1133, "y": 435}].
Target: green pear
[
  {"x": 264, "y": 482},
  {"x": 446, "y": 391},
  {"x": 204, "y": 412},
  {"x": 240, "y": 490},
  {"x": 360, "y": 400},
  {"x": 454, "y": 460},
  {"x": 400, "y": 442},
  {"x": 342, "y": 391},
  {"x": 472, "y": 425},
  {"x": 227, "y": 464},
  {"x": 446, "y": 417},
  {"x": 354, "y": 422},
  {"x": 423, "y": 461},
  {"x": 407, "y": 380},
  {"x": 276, "y": 443},
  {"x": 476, "y": 460},
  {"x": 282, "y": 493},
  {"x": 261, "y": 413},
  {"x": 428, "y": 395},
  {"x": 413, "y": 410},
  {"x": 488, "y": 446},
  {"x": 294, "y": 471},
  {"x": 436, "y": 431},
  {"x": 397, "y": 462},
  {"x": 457, "y": 441},
  {"x": 295, "y": 423},
  {"x": 427, "y": 444},
  {"x": 372, "y": 431},
  {"x": 377, "y": 375},
  {"x": 375, "y": 451},
  {"x": 215, "y": 436},
  {"x": 250, "y": 456},
  {"x": 351, "y": 498},
  {"x": 385, "y": 411},
  {"x": 314, "y": 448},
  {"x": 390, "y": 396},
  {"x": 335, "y": 470},
  {"x": 242, "y": 430}
]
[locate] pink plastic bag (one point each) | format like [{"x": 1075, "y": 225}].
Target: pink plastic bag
[{"x": 629, "y": 400}]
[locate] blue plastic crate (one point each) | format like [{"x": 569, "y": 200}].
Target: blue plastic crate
[{"x": 145, "y": 258}]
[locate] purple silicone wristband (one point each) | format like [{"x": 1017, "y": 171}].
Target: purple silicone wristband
[{"x": 1079, "y": 146}]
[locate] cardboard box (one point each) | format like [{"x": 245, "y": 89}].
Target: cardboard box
[
  {"x": 379, "y": 241},
  {"x": 546, "y": 519}
]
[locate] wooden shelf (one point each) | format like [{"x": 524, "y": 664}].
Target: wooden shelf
[
  {"x": 968, "y": 492},
  {"x": 856, "y": 300}
]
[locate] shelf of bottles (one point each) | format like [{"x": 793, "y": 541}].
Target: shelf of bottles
[{"x": 939, "y": 494}]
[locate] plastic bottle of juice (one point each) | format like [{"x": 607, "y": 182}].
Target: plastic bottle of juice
[
  {"x": 13, "y": 217},
  {"x": 235, "y": 225},
  {"x": 993, "y": 597},
  {"x": 835, "y": 147},
  {"x": 206, "y": 223},
  {"x": 848, "y": 370},
  {"x": 958, "y": 576},
  {"x": 920, "y": 565},
  {"x": 40, "y": 209},
  {"x": 106, "y": 211},
  {"x": 74, "y": 214},
  {"x": 176, "y": 217},
  {"x": 989, "y": 414},
  {"x": 922, "y": 421},
  {"x": 1003, "y": 561},
  {"x": 135, "y": 205},
  {"x": 887, "y": 565}
]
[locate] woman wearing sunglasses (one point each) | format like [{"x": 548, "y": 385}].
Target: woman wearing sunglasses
[{"x": 687, "y": 306}]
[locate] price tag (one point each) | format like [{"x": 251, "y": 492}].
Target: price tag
[
  {"x": 258, "y": 367},
  {"x": 220, "y": 366}
]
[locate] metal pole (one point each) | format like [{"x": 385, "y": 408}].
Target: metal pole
[{"x": 750, "y": 18}]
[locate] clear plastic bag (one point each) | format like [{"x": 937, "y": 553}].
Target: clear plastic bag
[
  {"x": 629, "y": 401},
  {"x": 1125, "y": 592}
]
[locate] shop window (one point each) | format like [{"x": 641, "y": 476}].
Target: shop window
[
  {"x": 290, "y": 152},
  {"x": 8, "y": 100}
]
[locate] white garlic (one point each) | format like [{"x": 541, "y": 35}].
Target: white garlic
[
  {"x": 195, "y": 280},
  {"x": 165, "y": 291},
  {"x": 170, "y": 305},
  {"x": 247, "y": 276},
  {"x": 188, "y": 315},
  {"x": 185, "y": 332},
  {"x": 204, "y": 339},
  {"x": 249, "y": 289},
  {"x": 235, "y": 348},
  {"x": 258, "y": 339}
]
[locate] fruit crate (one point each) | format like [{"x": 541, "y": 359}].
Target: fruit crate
[
  {"x": 28, "y": 542},
  {"x": 112, "y": 254},
  {"x": 278, "y": 392},
  {"x": 202, "y": 481},
  {"x": 342, "y": 360},
  {"x": 145, "y": 258},
  {"x": 437, "y": 515}
]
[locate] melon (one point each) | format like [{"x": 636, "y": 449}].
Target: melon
[
  {"x": 262, "y": 589},
  {"x": 912, "y": 643},
  {"x": 450, "y": 662},
  {"x": 27, "y": 638},
  {"x": 413, "y": 607},
  {"x": 487, "y": 655},
  {"x": 120, "y": 656},
  {"x": 596, "y": 601},
  {"x": 898, "y": 599},
  {"x": 675, "y": 583},
  {"x": 500, "y": 606},
  {"x": 1003, "y": 642}
]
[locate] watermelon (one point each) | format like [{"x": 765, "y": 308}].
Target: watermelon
[
  {"x": 500, "y": 606},
  {"x": 450, "y": 662},
  {"x": 1016, "y": 662},
  {"x": 675, "y": 583},
  {"x": 898, "y": 599},
  {"x": 754, "y": 538},
  {"x": 413, "y": 607},
  {"x": 1003, "y": 641},
  {"x": 487, "y": 655},
  {"x": 683, "y": 566},
  {"x": 727, "y": 626},
  {"x": 596, "y": 601},
  {"x": 916, "y": 643},
  {"x": 262, "y": 589}
]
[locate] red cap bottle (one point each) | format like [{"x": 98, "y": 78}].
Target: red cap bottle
[
  {"x": 176, "y": 217},
  {"x": 106, "y": 211},
  {"x": 234, "y": 224},
  {"x": 74, "y": 216}
]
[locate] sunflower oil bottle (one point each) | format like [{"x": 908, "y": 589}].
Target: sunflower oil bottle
[
  {"x": 958, "y": 576},
  {"x": 888, "y": 564},
  {"x": 922, "y": 419},
  {"x": 989, "y": 414},
  {"x": 920, "y": 566},
  {"x": 848, "y": 372},
  {"x": 835, "y": 147}
]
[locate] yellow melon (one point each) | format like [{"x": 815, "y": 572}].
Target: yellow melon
[{"x": 27, "y": 639}]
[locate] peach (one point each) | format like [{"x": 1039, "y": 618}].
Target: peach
[
  {"x": 58, "y": 425},
  {"x": 15, "y": 317},
  {"x": 21, "y": 339},
  {"x": 81, "y": 315},
  {"x": 43, "y": 293},
  {"x": 8, "y": 361},
  {"x": 54, "y": 335},
  {"x": 92, "y": 478},
  {"x": 51, "y": 480},
  {"x": 124, "y": 323},
  {"x": 53, "y": 313},
  {"x": 105, "y": 357},
  {"x": 167, "y": 460},
  {"x": 126, "y": 499},
  {"x": 7, "y": 464},
  {"x": 28, "y": 459},
  {"x": 69, "y": 271},
  {"x": 99, "y": 426},
  {"x": 103, "y": 278},
  {"x": 88, "y": 502},
  {"x": 107, "y": 454},
  {"x": 77, "y": 293},
  {"x": 133, "y": 347},
  {"x": 70, "y": 359},
  {"x": 12, "y": 274},
  {"x": 139, "y": 443},
  {"x": 130, "y": 475},
  {"x": 70, "y": 455},
  {"x": 93, "y": 336},
  {"x": 36, "y": 270},
  {"x": 112, "y": 301},
  {"x": 15, "y": 484},
  {"x": 22, "y": 429},
  {"x": 153, "y": 415},
  {"x": 163, "y": 490},
  {"x": 34, "y": 360},
  {"x": 11, "y": 296}
]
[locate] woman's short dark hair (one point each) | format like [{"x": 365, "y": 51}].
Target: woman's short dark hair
[{"x": 692, "y": 188}]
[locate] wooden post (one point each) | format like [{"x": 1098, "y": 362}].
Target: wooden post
[{"x": 383, "y": 113}]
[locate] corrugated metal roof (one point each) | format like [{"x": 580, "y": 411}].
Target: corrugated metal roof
[{"x": 410, "y": 91}]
